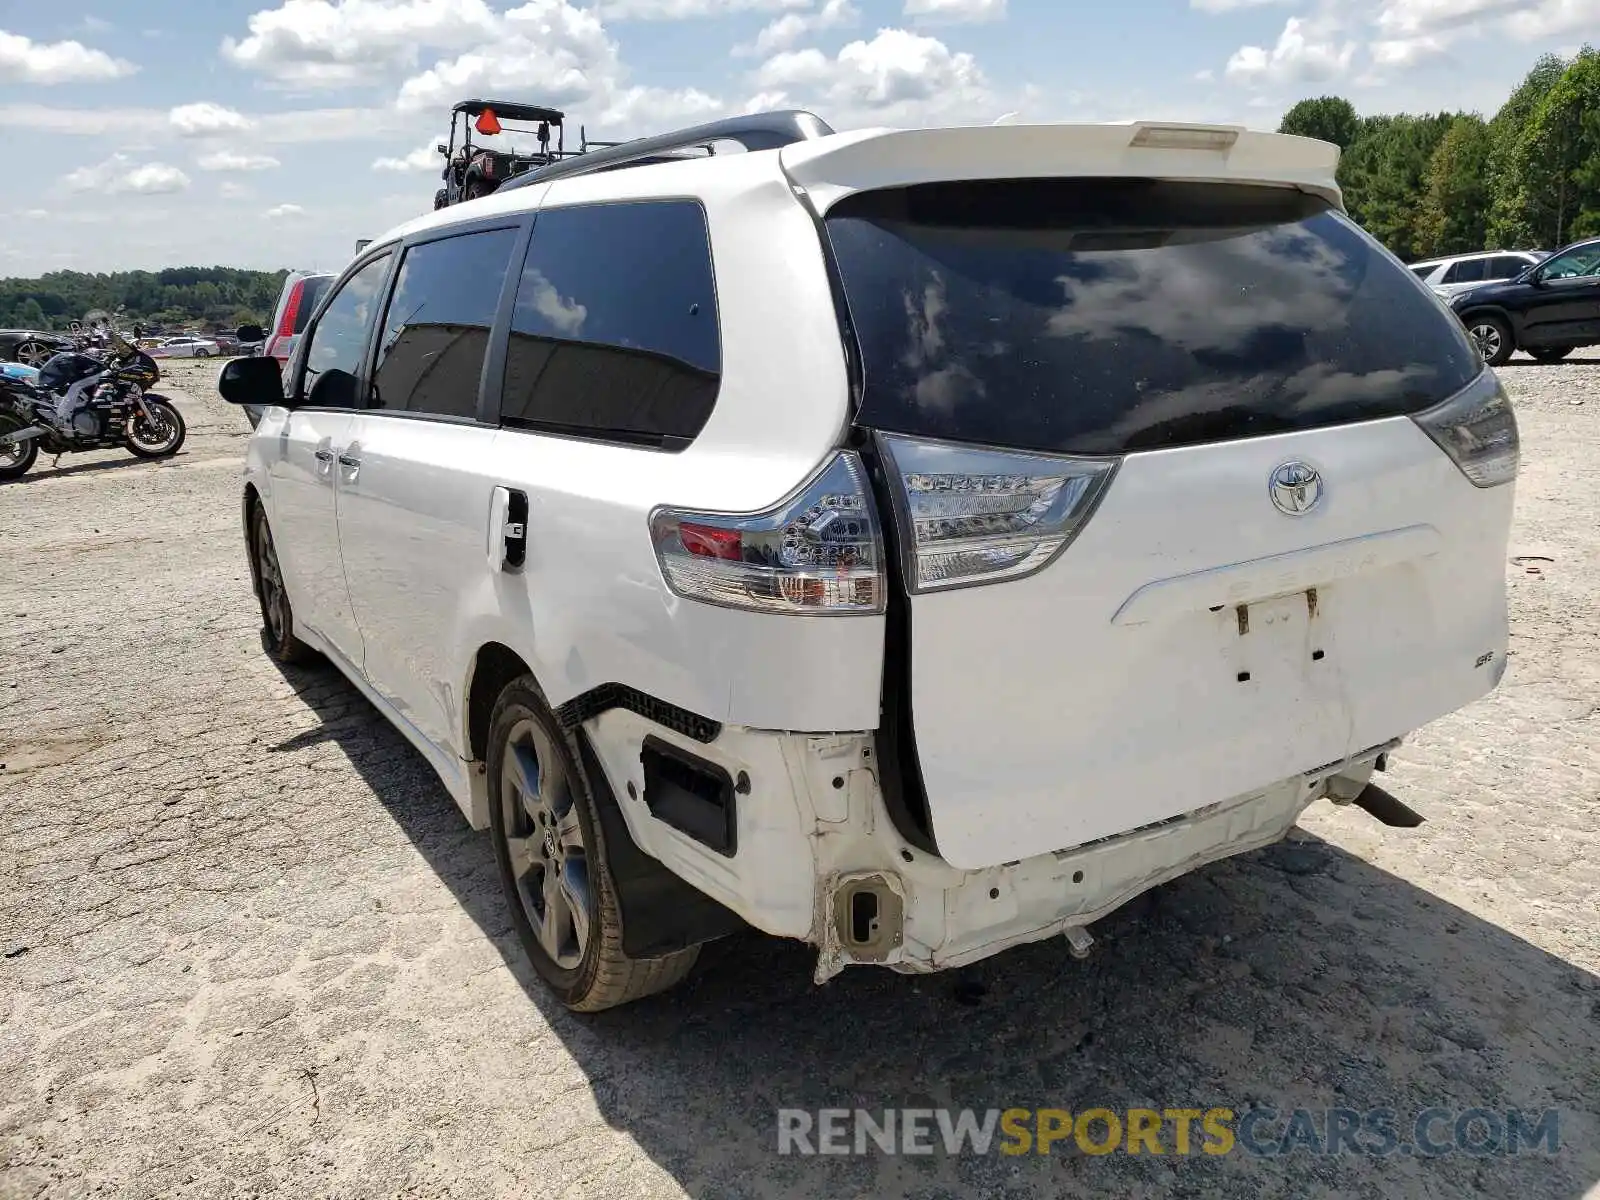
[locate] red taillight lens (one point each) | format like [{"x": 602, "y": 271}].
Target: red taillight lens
[
  {"x": 707, "y": 542},
  {"x": 291, "y": 310},
  {"x": 817, "y": 553}
]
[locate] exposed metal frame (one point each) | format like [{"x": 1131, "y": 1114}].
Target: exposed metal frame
[{"x": 756, "y": 131}]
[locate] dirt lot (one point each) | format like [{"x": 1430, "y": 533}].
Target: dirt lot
[{"x": 251, "y": 947}]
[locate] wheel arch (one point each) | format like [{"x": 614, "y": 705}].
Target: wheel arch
[
  {"x": 1491, "y": 310},
  {"x": 661, "y": 912}
]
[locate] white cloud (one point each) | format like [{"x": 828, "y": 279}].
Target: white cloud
[
  {"x": 953, "y": 12},
  {"x": 23, "y": 60},
  {"x": 93, "y": 24},
  {"x": 1405, "y": 52},
  {"x": 279, "y": 211},
  {"x": 1305, "y": 53},
  {"x": 788, "y": 30},
  {"x": 897, "y": 77},
  {"x": 679, "y": 10},
  {"x": 1554, "y": 18},
  {"x": 119, "y": 174},
  {"x": 80, "y": 122},
  {"x": 545, "y": 48},
  {"x": 228, "y": 160},
  {"x": 339, "y": 43},
  {"x": 229, "y": 190},
  {"x": 1205, "y": 76},
  {"x": 205, "y": 119},
  {"x": 423, "y": 158}
]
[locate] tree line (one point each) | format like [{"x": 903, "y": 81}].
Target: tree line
[
  {"x": 211, "y": 297},
  {"x": 1452, "y": 183}
]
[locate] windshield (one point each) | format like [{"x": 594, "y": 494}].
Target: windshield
[{"x": 1099, "y": 316}]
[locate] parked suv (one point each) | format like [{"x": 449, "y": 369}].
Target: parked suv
[
  {"x": 915, "y": 543},
  {"x": 1447, "y": 276},
  {"x": 1549, "y": 310}
]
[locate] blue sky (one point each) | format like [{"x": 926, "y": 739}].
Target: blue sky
[{"x": 274, "y": 133}]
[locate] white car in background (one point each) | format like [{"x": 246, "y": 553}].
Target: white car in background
[
  {"x": 187, "y": 347},
  {"x": 1447, "y": 276}
]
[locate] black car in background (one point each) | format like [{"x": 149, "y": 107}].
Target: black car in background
[
  {"x": 31, "y": 347},
  {"x": 1549, "y": 310}
]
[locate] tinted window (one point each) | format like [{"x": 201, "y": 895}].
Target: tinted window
[
  {"x": 1574, "y": 263},
  {"x": 1424, "y": 271},
  {"x": 1100, "y": 316},
  {"x": 436, "y": 332},
  {"x": 615, "y": 329},
  {"x": 1506, "y": 266},
  {"x": 310, "y": 292},
  {"x": 1474, "y": 270},
  {"x": 333, "y": 360}
]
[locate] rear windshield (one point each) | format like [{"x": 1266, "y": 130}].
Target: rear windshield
[
  {"x": 315, "y": 285},
  {"x": 1101, "y": 316}
]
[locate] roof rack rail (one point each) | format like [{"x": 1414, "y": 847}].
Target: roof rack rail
[{"x": 755, "y": 131}]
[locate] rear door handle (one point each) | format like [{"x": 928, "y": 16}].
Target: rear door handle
[
  {"x": 346, "y": 460},
  {"x": 323, "y": 455}
]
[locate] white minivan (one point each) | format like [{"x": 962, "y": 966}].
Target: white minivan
[{"x": 912, "y": 542}]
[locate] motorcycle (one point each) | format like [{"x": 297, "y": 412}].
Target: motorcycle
[{"x": 115, "y": 407}]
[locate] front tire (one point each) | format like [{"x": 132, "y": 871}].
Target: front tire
[
  {"x": 553, "y": 864},
  {"x": 1551, "y": 354},
  {"x": 161, "y": 434},
  {"x": 17, "y": 459},
  {"x": 1492, "y": 336}
]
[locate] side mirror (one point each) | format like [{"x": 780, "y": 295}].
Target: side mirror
[
  {"x": 333, "y": 389},
  {"x": 250, "y": 333},
  {"x": 256, "y": 381}
]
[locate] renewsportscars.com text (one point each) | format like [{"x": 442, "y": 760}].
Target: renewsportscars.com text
[{"x": 1262, "y": 1132}]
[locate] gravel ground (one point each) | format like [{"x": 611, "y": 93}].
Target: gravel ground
[{"x": 251, "y": 947}]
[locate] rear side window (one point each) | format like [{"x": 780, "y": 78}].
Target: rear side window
[
  {"x": 614, "y": 334},
  {"x": 1096, "y": 317},
  {"x": 436, "y": 332},
  {"x": 310, "y": 293},
  {"x": 1474, "y": 270},
  {"x": 1507, "y": 266},
  {"x": 1424, "y": 271}
]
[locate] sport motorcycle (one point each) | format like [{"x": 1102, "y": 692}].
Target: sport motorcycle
[{"x": 112, "y": 406}]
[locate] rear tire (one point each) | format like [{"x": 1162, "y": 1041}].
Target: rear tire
[
  {"x": 476, "y": 189},
  {"x": 17, "y": 460},
  {"x": 277, "y": 614},
  {"x": 1492, "y": 336},
  {"x": 553, "y": 864},
  {"x": 1551, "y": 354}
]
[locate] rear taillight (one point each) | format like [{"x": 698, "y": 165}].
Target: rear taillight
[
  {"x": 971, "y": 516},
  {"x": 817, "y": 553},
  {"x": 291, "y": 309},
  {"x": 1478, "y": 430}
]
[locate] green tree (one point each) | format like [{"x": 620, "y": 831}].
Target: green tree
[
  {"x": 1515, "y": 212},
  {"x": 30, "y": 315},
  {"x": 1454, "y": 210},
  {"x": 1385, "y": 173},
  {"x": 1556, "y": 155},
  {"x": 1328, "y": 118}
]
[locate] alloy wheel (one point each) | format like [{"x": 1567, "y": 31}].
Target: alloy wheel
[
  {"x": 545, "y": 842},
  {"x": 34, "y": 354},
  {"x": 273, "y": 600},
  {"x": 1487, "y": 339}
]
